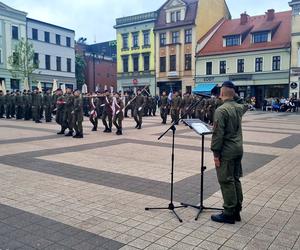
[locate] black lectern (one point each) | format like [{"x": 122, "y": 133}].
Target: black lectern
[{"x": 202, "y": 129}]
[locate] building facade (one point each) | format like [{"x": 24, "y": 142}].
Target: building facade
[
  {"x": 54, "y": 54},
  {"x": 136, "y": 52},
  {"x": 12, "y": 29},
  {"x": 295, "y": 49},
  {"x": 179, "y": 26},
  {"x": 254, "y": 52}
]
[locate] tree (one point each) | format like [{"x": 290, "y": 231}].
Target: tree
[
  {"x": 21, "y": 62},
  {"x": 80, "y": 70}
]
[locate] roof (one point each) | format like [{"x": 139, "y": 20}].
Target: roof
[
  {"x": 280, "y": 27},
  {"x": 49, "y": 24},
  {"x": 140, "y": 18},
  {"x": 190, "y": 17}
]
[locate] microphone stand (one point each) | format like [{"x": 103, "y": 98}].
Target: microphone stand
[{"x": 171, "y": 206}]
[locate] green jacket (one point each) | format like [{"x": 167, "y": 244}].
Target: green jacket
[
  {"x": 78, "y": 105},
  {"x": 227, "y": 139},
  {"x": 47, "y": 100},
  {"x": 176, "y": 102}
]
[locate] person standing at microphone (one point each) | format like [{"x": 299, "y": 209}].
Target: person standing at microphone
[{"x": 227, "y": 147}]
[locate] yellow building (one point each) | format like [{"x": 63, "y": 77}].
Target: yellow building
[
  {"x": 179, "y": 26},
  {"x": 136, "y": 52},
  {"x": 295, "y": 49}
]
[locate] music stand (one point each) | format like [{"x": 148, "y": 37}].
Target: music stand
[{"x": 202, "y": 129}]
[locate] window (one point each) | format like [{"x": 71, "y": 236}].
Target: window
[
  {"x": 125, "y": 64},
  {"x": 57, "y": 39},
  {"x": 261, "y": 37},
  {"x": 162, "y": 64},
  {"x": 173, "y": 63},
  {"x": 222, "y": 67},
  {"x": 15, "y": 84},
  {"x": 240, "y": 65},
  {"x": 47, "y": 37},
  {"x": 188, "y": 36},
  {"x": 208, "y": 68},
  {"x": 47, "y": 62},
  {"x": 146, "y": 38},
  {"x": 58, "y": 63},
  {"x": 36, "y": 61},
  {"x": 68, "y": 41},
  {"x": 15, "y": 58},
  {"x": 175, "y": 16},
  {"x": 146, "y": 62},
  {"x": 178, "y": 16},
  {"x": 276, "y": 63},
  {"x": 259, "y": 64},
  {"x": 162, "y": 39},
  {"x": 35, "y": 35},
  {"x": 125, "y": 41},
  {"x": 175, "y": 37},
  {"x": 15, "y": 32},
  {"x": 135, "y": 63},
  {"x": 188, "y": 62},
  {"x": 232, "y": 40},
  {"x": 135, "y": 39},
  {"x": 69, "y": 65}
]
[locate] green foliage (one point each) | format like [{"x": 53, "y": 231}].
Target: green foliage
[
  {"x": 21, "y": 62},
  {"x": 80, "y": 66}
]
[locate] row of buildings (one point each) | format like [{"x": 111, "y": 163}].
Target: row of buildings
[
  {"x": 191, "y": 43},
  {"x": 54, "y": 50}
]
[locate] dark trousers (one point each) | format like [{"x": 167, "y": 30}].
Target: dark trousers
[
  {"x": 7, "y": 111},
  {"x": 164, "y": 114},
  {"x": 68, "y": 120},
  {"x": 77, "y": 123},
  {"x": 2, "y": 110},
  {"x": 48, "y": 115},
  {"x": 117, "y": 121},
  {"x": 27, "y": 111},
  {"x": 94, "y": 121},
  {"x": 138, "y": 116},
  {"x": 108, "y": 116},
  {"x": 19, "y": 112},
  {"x": 36, "y": 113},
  {"x": 229, "y": 174}
]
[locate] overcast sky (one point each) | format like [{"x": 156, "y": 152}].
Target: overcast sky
[{"x": 94, "y": 19}]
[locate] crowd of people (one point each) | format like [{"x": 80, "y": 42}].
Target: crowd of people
[
  {"x": 281, "y": 104},
  {"x": 69, "y": 108}
]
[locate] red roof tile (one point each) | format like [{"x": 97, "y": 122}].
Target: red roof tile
[{"x": 281, "y": 38}]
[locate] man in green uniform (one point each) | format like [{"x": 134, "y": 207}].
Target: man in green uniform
[
  {"x": 139, "y": 104},
  {"x": 227, "y": 147},
  {"x": 68, "y": 108},
  {"x": 36, "y": 106},
  {"x": 2, "y": 102},
  {"x": 119, "y": 114},
  {"x": 59, "y": 110},
  {"x": 175, "y": 107},
  {"x": 26, "y": 105},
  {"x": 107, "y": 114},
  {"x": 77, "y": 115},
  {"x": 163, "y": 104},
  {"x": 47, "y": 103},
  {"x": 185, "y": 106},
  {"x": 19, "y": 105},
  {"x": 12, "y": 104},
  {"x": 7, "y": 104}
]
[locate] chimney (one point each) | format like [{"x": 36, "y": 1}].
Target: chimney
[
  {"x": 270, "y": 15},
  {"x": 244, "y": 18}
]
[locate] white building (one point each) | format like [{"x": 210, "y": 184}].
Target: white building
[
  {"x": 12, "y": 29},
  {"x": 54, "y": 53}
]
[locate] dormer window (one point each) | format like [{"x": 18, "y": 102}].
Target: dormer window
[
  {"x": 234, "y": 40},
  {"x": 260, "y": 37},
  {"x": 175, "y": 16}
]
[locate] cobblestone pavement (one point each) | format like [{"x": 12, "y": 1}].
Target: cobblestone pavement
[{"x": 63, "y": 193}]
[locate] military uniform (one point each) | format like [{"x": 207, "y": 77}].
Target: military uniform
[
  {"x": 119, "y": 116},
  {"x": 19, "y": 105},
  {"x": 12, "y": 104},
  {"x": 59, "y": 118},
  {"x": 2, "y": 103},
  {"x": 94, "y": 113},
  {"x": 138, "y": 111},
  {"x": 36, "y": 107},
  {"x": 68, "y": 117},
  {"x": 185, "y": 105},
  {"x": 27, "y": 106},
  {"x": 107, "y": 114},
  {"x": 47, "y": 103},
  {"x": 78, "y": 117},
  {"x": 175, "y": 108},
  {"x": 7, "y": 104},
  {"x": 86, "y": 105},
  {"x": 227, "y": 145},
  {"x": 163, "y": 103}
]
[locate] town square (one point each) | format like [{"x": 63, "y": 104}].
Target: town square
[{"x": 175, "y": 127}]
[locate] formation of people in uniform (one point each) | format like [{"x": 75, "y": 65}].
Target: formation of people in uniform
[{"x": 69, "y": 108}]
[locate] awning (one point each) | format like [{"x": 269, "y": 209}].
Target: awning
[{"x": 204, "y": 88}]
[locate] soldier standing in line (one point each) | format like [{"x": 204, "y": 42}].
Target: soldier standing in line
[
  {"x": 2, "y": 102},
  {"x": 19, "y": 105},
  {"x": 175, "y": 107},
  {"x": 77, "y": 114},
  {"x": 86, "y": 104},
  {"x": 227, "y": 147},
  {"x": 36, "y": 106},
  {"x": 119, "y": 115},
  {"x": 163, "y": 103},
  {"x": 198, "y": 107},
  {"x": 69, "y": 107},
  {"x": 138, "y": 111},
  {"x": 47, "y": 103},
  {"x": 94, "y": 103},
  {"x": 26, "y": 105},
  {"x": 12, "y": 104},
  {"x": 185, "y": 105},
  {"x": 60, "y": 105},
  {"x": 7, "y": 104},
  {"x": 107, "y": 112}
]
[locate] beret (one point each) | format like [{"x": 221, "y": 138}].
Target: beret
[{"x": 228, "y": 84}]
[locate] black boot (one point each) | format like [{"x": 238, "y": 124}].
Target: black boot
[
  {"x": 94, "y": 129},
  {"x": 222, "y": 218},
  {"x": 140, "y": 126},
  {"x": 70, "y": 133},
  {"x": 62, "y": 132}
]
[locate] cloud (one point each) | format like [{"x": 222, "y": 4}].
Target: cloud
[{"x": 96, "y": 18}]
